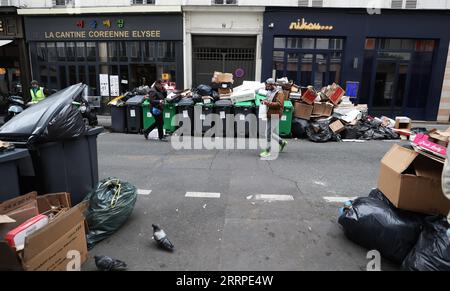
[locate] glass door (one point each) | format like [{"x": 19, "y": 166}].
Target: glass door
[{"x": 390, "y": 87}]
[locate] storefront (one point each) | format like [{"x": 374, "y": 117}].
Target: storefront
[
  {"x": 226, "y": 39},
  {"x": 14, "y": 64},
  {"x": 397, "y": 58},
  {"x": 130, "y": 50}
]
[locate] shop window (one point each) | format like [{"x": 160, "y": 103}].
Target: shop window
[
  {"x": 41, "y": 51},
  {"x": 396, "y": 44},
  {"x": 103, "y": 52},
  {"x": 171, "y": 70},
  {"x": 394, "y": 56},
  {"x": 70, "y": 51},
  {"x": 323, "y": 43},
  {"x": 82, "y": 74},
  {"x": 91, "y": 51},
  {"x": 370, "y": 44},
  {"x": 81, "y": 53},
  {"x": 122, "y": 51},
  {"x": 72, "y": 75},
  {"x": 166, "y": 51},
  {"x": 43, "y": 75},
  {"x": 150, "y": 51},
  {"x": 62, "y": 76},
  {"x": 300, "y": 43},
  {"x": 279, "y": 42},
  {"x": 124, "y": 76},
  {"x": 112, "y": 51},
  {"x": 421, "y": 67},
  {"x": 134, "y": 51},
  {"x": 292, "y": 66},
  {"x": 335, "y": 67},
  {"x": 92, "y": 80},
  {"x": 61, "y": 51},
  {"x": 278, "y": 63},
  {"x": 53, "y": 84},
  {"x": 51, "y": 51},
  {"x": 425, "y": 45},
  {"x": 336, "y": 44}
]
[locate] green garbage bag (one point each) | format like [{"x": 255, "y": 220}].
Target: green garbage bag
[{"x": 110, "y": 205}]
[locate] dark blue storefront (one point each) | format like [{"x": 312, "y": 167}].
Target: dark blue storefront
[{"x": 397, "y": 58}]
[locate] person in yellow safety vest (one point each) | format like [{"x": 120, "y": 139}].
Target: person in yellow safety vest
[{"x": 36, "y": 92}]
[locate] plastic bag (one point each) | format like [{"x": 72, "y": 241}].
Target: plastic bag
[
  {"x": 110, "y": 206},
  {"x": 204, "y": 90},
  {"x": 432, "y": 251},
  {"x": 375, "y": 224},
  {"x": 319, "y": 131},
  {"x": 299, "y": 127},
  {"x": 52, "y": 119}
]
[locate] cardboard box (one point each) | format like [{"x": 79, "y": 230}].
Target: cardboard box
[
  {"x": 440, "y": 137},
  {"x": 403, "y": 123},
  {"x": 225, "y": 78},
  {"x": 47, "y": 249},
  {"x": 322, "y": 109},
  {"x": 412, "y": 181},
  {"x": 241, "y": 96},
  {"x": 423, "y": 141},
  {"x": 335, "y": 93},
  {"x": 337, "y": 126},
  {"x": 302, "y": 110},
  {"x": 309, "y": 95},
  {"x": 223, "y": 91}
]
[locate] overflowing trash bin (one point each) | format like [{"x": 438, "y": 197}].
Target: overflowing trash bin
[
  {"x": 118, "y": 115},
  {"x": 223, "y": 108},
  {"x": 9, "y": 172},
  {"x": 203, "y": 115},
  {"x": 185, "y": 113},
  {"x": 245, "y": 119},
  {"x": 63, "y": 149},
  {"x": 134, "y": 114}
]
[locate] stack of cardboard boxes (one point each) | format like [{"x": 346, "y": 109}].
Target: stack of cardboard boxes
[
  {"x": 224, "y": 82},
  {"x": 42, "y": 233}
]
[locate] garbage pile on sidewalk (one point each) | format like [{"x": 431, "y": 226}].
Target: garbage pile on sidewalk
[{"x": 404, "y": 219}]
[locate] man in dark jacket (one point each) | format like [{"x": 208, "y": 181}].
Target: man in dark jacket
[{"x": 156, "y": 97}]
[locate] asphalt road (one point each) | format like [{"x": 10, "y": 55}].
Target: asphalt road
[{"x": 237, "y": 231}]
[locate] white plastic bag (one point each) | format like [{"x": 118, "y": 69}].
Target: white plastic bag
[{"x": 262, "y": 113}]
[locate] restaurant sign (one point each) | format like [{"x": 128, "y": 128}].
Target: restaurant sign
[{"x": 302, "y": 24}]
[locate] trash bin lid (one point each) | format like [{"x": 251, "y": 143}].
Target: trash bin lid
[
  {"x": 245, "y": 104},
  {"x": 224, "y": 103},
  {"x": 186, "y": 102},
  {"x": 136, "y": 100},
  {"x": 14, "y": 154},
  {"x": 288, "y": 104},
  {"x": 51, "y": 113}
]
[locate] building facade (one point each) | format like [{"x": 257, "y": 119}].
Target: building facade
[{"x": 397, "y": 59}]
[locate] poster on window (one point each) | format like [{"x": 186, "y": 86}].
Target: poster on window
[
  {"x": 104, "y": 84},
  {"x": 114, "y": 85}
]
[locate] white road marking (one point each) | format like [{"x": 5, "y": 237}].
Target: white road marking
[
  {"x": 274, "y": 197},
  {"x": 202, "y": 195},
  {"x": 144, "y": 192},
  {"x": 338, "y": 199}
]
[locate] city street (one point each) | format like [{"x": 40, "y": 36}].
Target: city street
[{"x": 240, "y": 230}]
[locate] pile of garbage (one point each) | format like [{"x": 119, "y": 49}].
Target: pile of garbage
[{"x": 405, "y": 223}]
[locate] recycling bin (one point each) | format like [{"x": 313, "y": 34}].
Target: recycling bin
[
  {"x": 169, "y": 112},
  {"x": 147, "y": 116},
  {"x": 134, "y": 114},
  {"x": 185, "y": 114},
  {"x": 286, "y": 119},
  {"x": 245, "y": 119},
  {"x": 119, "y": 118},
  {"x": 224, "y": 108},
  {"x": 9, "y": 172}
]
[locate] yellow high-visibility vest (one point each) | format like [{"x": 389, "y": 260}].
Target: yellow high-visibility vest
[{"x": 39, "y": 96}]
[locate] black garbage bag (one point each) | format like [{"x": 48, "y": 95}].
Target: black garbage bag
[
  {"x": 319, "y": 131},
  {"x": 110, "y": 206},
  {"x": 376, "y": 225},
  {"x": 350, "y": 132},
  {"x": 432, "y": 251},
  {"x": 299, "y": 127},
  {"x": 53, "y": 119},
  {"x": 204, "y": 90}
]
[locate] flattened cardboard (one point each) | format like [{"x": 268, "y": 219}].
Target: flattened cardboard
[
  {"x": 16, "y": 203},
  {"x": 412, "y": 182}
]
